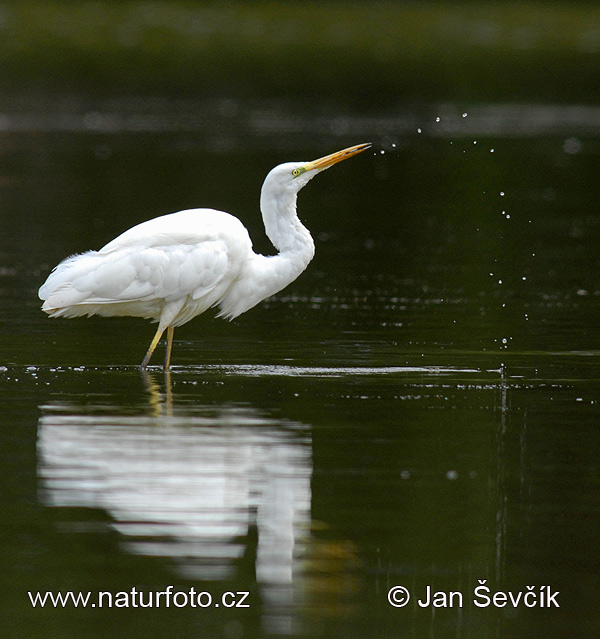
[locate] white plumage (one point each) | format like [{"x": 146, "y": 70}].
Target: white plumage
[{"x": 172, "y": 268}]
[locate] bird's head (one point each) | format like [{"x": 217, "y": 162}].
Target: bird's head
[
  {"x": 294, "y": 175},
  {"x": 278, "y": 199}
]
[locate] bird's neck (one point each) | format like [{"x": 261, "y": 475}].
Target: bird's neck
[
  {"x": 282, "y": 226},
  {"x": 265, "y": 276},
  {"x": 292, "y": 240}
]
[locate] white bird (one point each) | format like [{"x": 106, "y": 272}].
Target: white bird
[{"x": 174, "y": 267}]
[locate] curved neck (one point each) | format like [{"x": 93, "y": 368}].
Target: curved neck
[
  {"x": 265, "y": 276},
  {"x": 292, "y": 240},
  {"x": 282, "y": 226}
]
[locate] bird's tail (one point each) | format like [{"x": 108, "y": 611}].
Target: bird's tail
[{"x": 67, "y": 285}]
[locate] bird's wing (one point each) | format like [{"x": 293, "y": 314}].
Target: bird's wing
[
  {"x": 166, "y": 259},
  {"x": 162, "y": 272}
]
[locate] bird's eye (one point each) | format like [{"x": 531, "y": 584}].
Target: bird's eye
[{"x": 296, "y": 172}]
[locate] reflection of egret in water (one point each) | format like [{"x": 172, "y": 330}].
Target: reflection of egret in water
[
  {"x": 189, "y": 487},
  {"x": 160, "y": 402}
]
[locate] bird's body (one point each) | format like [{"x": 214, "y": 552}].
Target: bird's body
[{"x": 174, "y": 267}]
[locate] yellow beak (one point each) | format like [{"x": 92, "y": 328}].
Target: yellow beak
[{"x": 334, "y": 158}]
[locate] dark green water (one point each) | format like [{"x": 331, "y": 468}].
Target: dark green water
[{"x": 419, "y": 408}]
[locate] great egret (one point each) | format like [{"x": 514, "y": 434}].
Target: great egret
[{"x": 174, "y": 267}]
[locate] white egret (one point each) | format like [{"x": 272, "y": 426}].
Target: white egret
[{"x": 174, "y": 267}]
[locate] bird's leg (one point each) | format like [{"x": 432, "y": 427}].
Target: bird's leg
[
  {"x": 170, "y": 331},
  {"x": 152, "y": 347}
]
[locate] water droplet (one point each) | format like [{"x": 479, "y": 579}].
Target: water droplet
[{"x": 572, "y": 146}]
